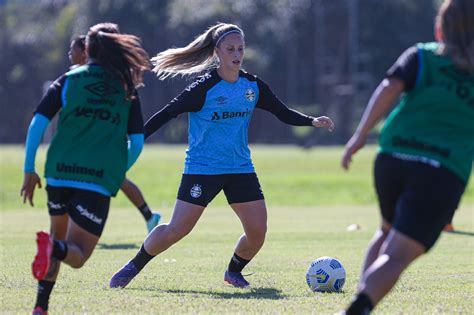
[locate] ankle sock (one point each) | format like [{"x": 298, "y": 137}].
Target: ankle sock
[{"x": 237, "y": 263}]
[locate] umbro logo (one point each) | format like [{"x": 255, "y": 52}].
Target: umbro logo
[
  {"x": 101, "y": 89},
  {"x": 221, "y": 100}
]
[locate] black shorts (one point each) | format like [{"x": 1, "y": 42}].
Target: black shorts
[
  {"x": 201, "y": 189},
  {"x": 416, "y": 198},
  {"x": 86, "y": 208}
]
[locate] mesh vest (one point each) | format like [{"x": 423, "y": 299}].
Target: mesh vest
[
  {"x": 90, "y": 144},
  {"x": 436, "y": 119}
]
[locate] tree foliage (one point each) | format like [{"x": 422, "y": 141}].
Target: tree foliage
[{"x": 302, "y": 48}]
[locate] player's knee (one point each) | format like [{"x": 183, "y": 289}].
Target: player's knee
[
  {"x": 78, "y": 263},
  {"x": 257, "y": 235},
  {"x": 58, "y": 235},
  {"x": 178, "y": 232}
]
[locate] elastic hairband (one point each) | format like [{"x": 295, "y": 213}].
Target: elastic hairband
[{"x": 225, "y": 34}]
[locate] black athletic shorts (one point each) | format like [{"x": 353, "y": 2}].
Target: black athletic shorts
[
  {"x": 86, "y": 208},
  {"x": 416, "y": 198},
  {"x": 201, "y": 189}
]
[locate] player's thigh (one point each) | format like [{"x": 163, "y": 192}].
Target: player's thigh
[
  {"x": 58, "y": 202},
  {"x": 82, "y": 238},
  {"x": 59, "y": 226},
  {"x": 89, "y": 211},
  {"x": 428, "y": 201},
  {"x": 245, "y": 196},
  {"x": 185, "y": 216},
  {"x": 402, "y": 247},
  {"x": 388, "y": 182},
  {"x": 199, "y": 189},
  {"x": 242, "y": 188},
  {"x": 253, "y": 215}
]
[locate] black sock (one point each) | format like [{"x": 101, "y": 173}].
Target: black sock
[
  {"x": 145, "y": 211},
  {"x": 59, "y": 250},
  {"x": 142, "y": 258},
  {"x": 361, "y": 305},
  {"x": 44, "y": 291},
  {"x": 237, "y": 263}
]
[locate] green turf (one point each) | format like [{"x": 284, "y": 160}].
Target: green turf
[
  {"x": 289, "y": 176},
  {"x": 310, "y": 201}
]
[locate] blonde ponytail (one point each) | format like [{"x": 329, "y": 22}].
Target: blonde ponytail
[{"x": 198, "y": 56}]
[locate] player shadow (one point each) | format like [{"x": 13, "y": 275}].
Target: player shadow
[
  {"x": 461, "y": 233},
  {"x": 117, "y": 246},
  {"x": 253, "y": 293}
]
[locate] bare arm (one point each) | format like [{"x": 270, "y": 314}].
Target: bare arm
[{"x": 379, "y": 104}]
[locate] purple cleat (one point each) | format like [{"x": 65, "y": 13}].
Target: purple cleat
[
  {"x": 236, "y": 279},
  {"x": 123, "y": 277}
]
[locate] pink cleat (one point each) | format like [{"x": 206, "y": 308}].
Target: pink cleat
[{"x": 40, "y": 265}]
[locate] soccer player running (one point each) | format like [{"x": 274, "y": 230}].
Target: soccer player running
[
  {"x": 88, "y": 157},
  {"x": 78, "y": 57},
  {"x": 220, "y": 105},
  {"x": 426, "y": 149}
]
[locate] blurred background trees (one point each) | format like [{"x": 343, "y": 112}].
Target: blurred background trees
[{"x": 318, "y": 56}]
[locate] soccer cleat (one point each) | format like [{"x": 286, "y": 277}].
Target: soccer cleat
[
  {"x": 236, "y": 279},
  {"x": 448, "y": 227},
  {"x": 39, "y": 311},
  {"x": 154, "y": 220},
  {"x": 40, "y": 265},
  {"x": 123, "y": 277}
]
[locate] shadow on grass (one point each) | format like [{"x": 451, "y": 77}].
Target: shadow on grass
[
  {"x": 117, "y": 246},
  {"x": 254, "y": 293},
  {"x": 461, "y": 233}
]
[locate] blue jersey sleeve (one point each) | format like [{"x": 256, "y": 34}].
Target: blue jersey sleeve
[
  {"x": 270, "y": 102},
  {"x": 135, "y": 146},
  {"x": 33, "y": 139}
]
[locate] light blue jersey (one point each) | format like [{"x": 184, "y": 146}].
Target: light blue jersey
[
  {"x": 218, "y": 133},
  {"x": 219, "y": 117}
]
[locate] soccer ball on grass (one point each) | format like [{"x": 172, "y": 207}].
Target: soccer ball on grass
[{"x": 326, "y": 274}]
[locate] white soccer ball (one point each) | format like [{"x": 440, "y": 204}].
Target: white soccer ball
[{"x": 326, "y": 274}]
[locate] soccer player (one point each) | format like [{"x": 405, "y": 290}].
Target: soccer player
[
  {"x": 78, "y": 56},
  {"x": 426, "y": 149},
  {"x": 220, "y": 105},
  {"x": 89, "y": 155}
]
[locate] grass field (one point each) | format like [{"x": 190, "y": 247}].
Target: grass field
[{"x": 310, "y": 202}]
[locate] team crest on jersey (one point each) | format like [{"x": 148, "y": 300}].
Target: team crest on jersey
[
  {"x": 196, "y": 191},
  {"x": 250, "y": 95}
]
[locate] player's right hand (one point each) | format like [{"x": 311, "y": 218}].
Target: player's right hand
[
  {"x": 352, "y": 146},
  {"x": 30, "y": 180}
]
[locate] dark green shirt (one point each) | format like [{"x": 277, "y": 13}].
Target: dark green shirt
[
  {"x": 90, "y": 144},
  {"x": 435, "y": 119}
]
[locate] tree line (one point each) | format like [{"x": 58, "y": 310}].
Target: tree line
[{"x": 318, "y": 56}]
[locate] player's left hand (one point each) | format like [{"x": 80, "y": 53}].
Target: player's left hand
[
  {"x": 30, "y": 180},
  {"x": 323, "y": 122}
]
